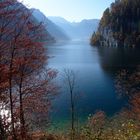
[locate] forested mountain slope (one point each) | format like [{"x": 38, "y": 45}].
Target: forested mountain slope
[
  {"x": 51, "y": 27},
  {"x": 119, "y": 25}
]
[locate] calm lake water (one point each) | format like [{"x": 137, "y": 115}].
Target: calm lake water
[{"x": 95, "y": 70}]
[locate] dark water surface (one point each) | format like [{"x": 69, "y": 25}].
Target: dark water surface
[{"x": 95, "y": 70}]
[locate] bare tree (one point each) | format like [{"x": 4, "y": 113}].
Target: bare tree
[{"x": 70, "y": 81}]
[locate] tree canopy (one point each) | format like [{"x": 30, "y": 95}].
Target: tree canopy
[{"x": 122, "y": 23}]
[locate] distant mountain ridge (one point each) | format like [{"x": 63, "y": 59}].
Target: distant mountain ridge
[
  {"x": 52, "y": 28},
  {"x": 63, "y": 30},
  {"x": 77, "y": 30}
]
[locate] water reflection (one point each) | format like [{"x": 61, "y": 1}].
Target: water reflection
[
  {"x": 115, "y": 59},
  {"x": 96, "y": 68}
]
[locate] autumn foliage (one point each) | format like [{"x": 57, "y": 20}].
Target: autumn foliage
[
  {"x": 25, "y": 83},
  {"x": 27, "y": 87}
]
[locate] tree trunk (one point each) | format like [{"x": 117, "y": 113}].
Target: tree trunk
[
  {"x": 22, "y": 119},
  {"x": 12, "y": 112},
  {"x": 72, "y": 116},
  {"x": 11, "y": 97}
]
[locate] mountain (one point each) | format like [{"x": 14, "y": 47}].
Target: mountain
[
  {"x": 77, "y": 30},
  {"x": 85, "y": 28},
  {"x": 51, "y": 27},
  {"x": 58, "y": 20},
  {"x": 120, "y": 25},
  {"x": 48, "y": 38},
  {"x": 14, "y": 5}
]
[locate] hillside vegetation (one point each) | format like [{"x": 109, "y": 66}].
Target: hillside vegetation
[{"x": 119, "y": 25}]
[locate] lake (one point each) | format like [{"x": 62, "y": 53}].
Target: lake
[{"x": 95, "y": 70}]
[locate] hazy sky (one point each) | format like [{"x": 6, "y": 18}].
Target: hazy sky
[{"x": 72, "y": 10}]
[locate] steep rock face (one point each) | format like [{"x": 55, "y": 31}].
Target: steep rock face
[
  {"x": 120, "y": 25},
  {"x": 77, "y": 30},
  {"x": 51, "y": 27}
]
